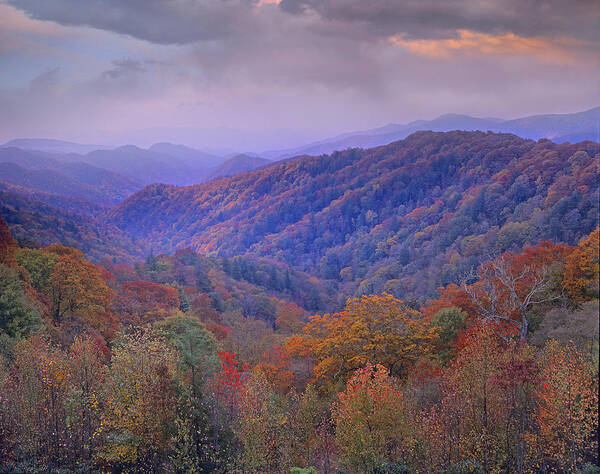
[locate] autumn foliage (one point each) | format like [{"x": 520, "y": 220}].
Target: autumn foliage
[{"x": 174, "y": 366}]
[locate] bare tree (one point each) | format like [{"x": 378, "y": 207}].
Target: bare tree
[{"x": 503, "y": 291}]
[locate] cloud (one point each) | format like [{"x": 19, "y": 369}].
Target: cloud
[
  {"x": 316, "y": 67},
  {"x": 476, "y": 44},
  {"x": 47, "y": 81},
  {"x": 434, "y": 19},
  {"x": 15, "y": 21},
  {"x": 188, "y": 21},
  {"x": 157, "y": 21}
]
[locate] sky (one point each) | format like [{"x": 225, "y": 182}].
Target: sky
[{"x": 267, "y": 74}]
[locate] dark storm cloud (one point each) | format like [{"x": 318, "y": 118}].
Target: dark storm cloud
[
  {"x": 424, "y": 19},
  {"x": 157, "y": 21},
  {"x": 187, "y": 21}
]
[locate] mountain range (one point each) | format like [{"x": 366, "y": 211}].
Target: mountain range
[
  {"x": 559, "y": 128},
  {"x": 103, "y": 178},
  {"x": 404, "y": 217},
  {"x": 416, "y": 213}
]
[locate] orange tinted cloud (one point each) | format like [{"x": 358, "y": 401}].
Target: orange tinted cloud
[
  {"x": 15, "y": 21},
  {"x": 471, "y": 43}
]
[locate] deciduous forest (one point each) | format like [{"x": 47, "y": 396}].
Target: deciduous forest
[{"x": 185, "y": 363}]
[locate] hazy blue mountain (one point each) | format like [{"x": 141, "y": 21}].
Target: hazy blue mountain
[
  {"x": 190, "y": 156},
  {"x": 560, "y": 128},
  {"x": 65, "y": 203},
  {"x": 42, "y": 171},
  {"x": 50, "y": 181},
  {"x": 237, "y": 164},
  {"x": 146, "y": 166},
  {"x": 52, "y": 146}
]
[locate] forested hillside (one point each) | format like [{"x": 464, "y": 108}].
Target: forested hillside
[
  {"x": 184, "y": 363},
  {"x": 34, "y": 221},
  {"x": 405, "y": 218}
]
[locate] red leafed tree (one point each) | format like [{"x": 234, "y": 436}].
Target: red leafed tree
[
  {"x": 229, "y": 382},
  {"x": 146, "y": 301},
  {"x": 276, "y": 368},
  {"x": 451, "y": 296}
]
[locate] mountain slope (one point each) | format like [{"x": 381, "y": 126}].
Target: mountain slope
[
  {"x": 47, "y": 181},
  {"x": 405, "y": 217},
  {"x": 66, "y": 203},
  {"x": 32, "y": 220}
]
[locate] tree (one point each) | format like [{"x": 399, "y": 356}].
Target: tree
[
  {"x": 581, "y": 269},
  {"x": 473, "y": 409},
  {"x": 140, "y": 408},
  {"x": 275, "y": 367},
  {"x": 369, "y": 416},
  {"x": 449, "y": 321},
  {"x": 77, "y": 286},
  {"x": 263, "y": 428},
  {"x": 508, "y": 287},
  {"x": 86, "y": 369},
  {"x": 375, "y": 329},
  {"x": 197, "y": 347},
  {"x": 290, "y": 318},
  {"x": 200, "y": 445},
  {"x": 8, "y": 245},
  {"x": 312, "y": 435},
  {"x": 144, "y": 301},
  {"x": 19, "y": 315},
  {"x": 568, "y": 411},
  {"x": 40, "y": 386},
  {"x": 39, "y": 265},
  {"x": 229, "y": 382}
]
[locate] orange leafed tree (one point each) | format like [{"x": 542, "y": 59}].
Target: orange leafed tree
[
  {"x": 373, "y": 328},
  {"x": 581, "y": 269},
  {"x": 78, "y": 286},
  {"x": 275, "y": 366}
]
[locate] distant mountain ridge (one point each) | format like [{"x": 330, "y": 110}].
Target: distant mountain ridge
[
  {"x": 190, "y": 156},
  {"x": 237, "y": 164},
  {"x": 161, "y": 163},
  {"x": 42, "y": 171},
  {"x": 560, "y": 128},
  {"x": 53, "y": 146}
]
